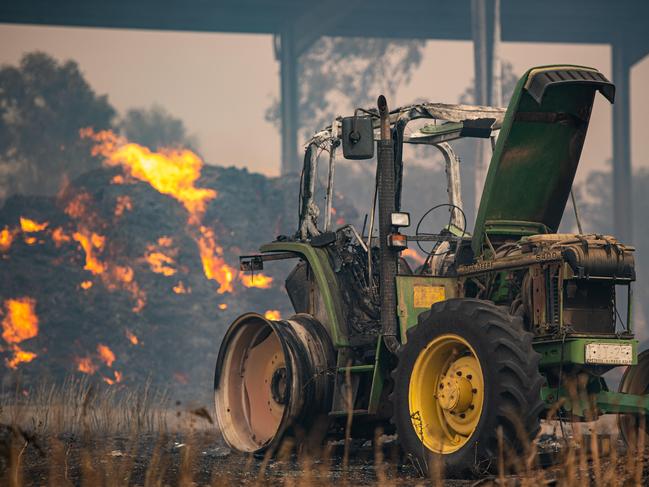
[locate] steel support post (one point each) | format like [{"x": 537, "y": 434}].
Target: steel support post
[
  {"x": 289, "y": 92},
  {"x": 485, "y": 29},
  {"x": 622, "y": 187}
]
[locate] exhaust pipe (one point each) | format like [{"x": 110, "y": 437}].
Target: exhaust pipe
[{"x": 388, "y": 256}]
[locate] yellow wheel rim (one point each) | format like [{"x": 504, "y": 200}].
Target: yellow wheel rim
[{"x": 446, "y": 394}]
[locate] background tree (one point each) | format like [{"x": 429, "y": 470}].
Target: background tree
[
  {"x": 595, "y": 203},
  {"x": 339, "y": 73},
  {"x": 43, "y": 104},
  {"x": 155, "y": 127}
]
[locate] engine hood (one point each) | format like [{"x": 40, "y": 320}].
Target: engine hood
[{"x": 537, "y": 153}]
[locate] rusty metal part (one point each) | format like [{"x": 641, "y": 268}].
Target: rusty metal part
[
  {"x": 269, "y": 376},
  {"x": 514, "y": 262},
  {"x": 387, "y": 206}
]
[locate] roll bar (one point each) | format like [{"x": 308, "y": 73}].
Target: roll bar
[{"x": 458, "y": 121}]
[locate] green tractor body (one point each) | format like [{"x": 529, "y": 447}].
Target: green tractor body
[{"x": 495, "y": 330}]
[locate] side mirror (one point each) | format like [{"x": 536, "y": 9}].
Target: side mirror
[{"x": 358, "y": 138}]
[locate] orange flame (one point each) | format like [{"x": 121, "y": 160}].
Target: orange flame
[
  {"x": 106, "y": 355},
  {"x": 31, "y": 226},
  {"x": 19, "y": 356},
  {"x": 85, "y": 285},
  {"x": 59, "y": 237},
  {"x": 85, "y": 365},
  {"x": 223, "y": 306},
  {"x": 160, "y": 263},
  {"x": 414, "y": 255},
  {"x": 19, "y": 324},
  {"x": 272, "y": 314},
  {"x": 131, "y": 337},
  {"x": 256, "y": 280},
  {"x": 113, "y": 276},
  {"x": 124, "y": 203},
  {"x": 174, "y": 173},
  {"x": 118, "y": 378},
  {"x": 181, "y": 289},
  {"x": 214, "y": 267},
  {"x": 91, "y": 243},
  {"x": 170, "y": 171},
  {"x": 125, "y": 277},
  {"x": 6, "y": 239}
]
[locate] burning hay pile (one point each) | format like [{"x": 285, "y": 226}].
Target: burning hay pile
[{"x": 130, "y": 273}]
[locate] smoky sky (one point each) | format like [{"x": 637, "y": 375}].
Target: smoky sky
[{"x": 220, "y": 85}]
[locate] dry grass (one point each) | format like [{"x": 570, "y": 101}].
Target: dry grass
[
  {"x": 83, "y": 434},
  {"x": 78, "y": 405}
]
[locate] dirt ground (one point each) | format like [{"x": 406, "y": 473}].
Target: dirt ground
[{"x": 201, "y": 458}]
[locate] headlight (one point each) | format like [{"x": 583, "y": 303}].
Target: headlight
[{"x": 400, "y": 219}]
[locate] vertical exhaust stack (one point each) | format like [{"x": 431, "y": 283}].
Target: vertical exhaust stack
[{"x": 388, "y": 256}]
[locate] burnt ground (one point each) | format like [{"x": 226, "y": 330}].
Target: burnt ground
[
  {"x": 202, "y": 459},
  {"x": 175, "y": 459}
]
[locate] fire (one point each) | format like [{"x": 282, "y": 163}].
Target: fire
[
  {"x": 113, "y": 276},
  {"x": 131, "y": 337},
  {"x": 85, "y": 365},
  {"x": 272, "y": 314},
  {"x": 6, "y": 239},
  {"x": 223, "y": 306},
  {"x": 59, "y": 237},
  {"x": 414, "y": 255},
  {"x": 19, "y": 356},
  {"x": 77, "y": 207},
  {"x": 118, "y": 378},
  {"x": 181, "y": 289},
  {"x": 85, "y": 285},
  {"x": 174, "y": 173},
  {"x": 31, "y": 226},
  {"x": 106, "y": 355},
  {"x": 124, "y": 203},
  {"x": 214, "y": 267},
  {"x": 20, "y": 322},
  {"x": 124, "y": 277},
  {"x": 256, "y": 280},
  {"x": 170, "y": 171},
  {"x": 91, "y": 243},
  {"x": 160, "y": 263}
]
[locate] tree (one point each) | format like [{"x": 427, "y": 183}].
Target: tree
[
  {"x": 595, "y": 203},
  {"x": 155, "y": 127},
  {"x": 509, "y": 79},
  {"x": 338, "y": 74},
  {"x": 43, "y": 105}
]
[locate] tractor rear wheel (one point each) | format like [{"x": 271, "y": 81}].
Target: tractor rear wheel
[
  {"x": 273, "y": 379},
  {"x": 635, "y": 381},
  {"x": 467, "y": 369}
]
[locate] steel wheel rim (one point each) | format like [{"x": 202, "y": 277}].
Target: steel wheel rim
[
  {"x": 446, "y": 394},
  {"x": 250, "y": 405}
]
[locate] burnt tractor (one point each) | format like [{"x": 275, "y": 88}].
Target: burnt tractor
[{"x": 467, "y": 353}]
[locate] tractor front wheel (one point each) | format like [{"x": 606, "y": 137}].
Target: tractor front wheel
[{"x": 466, "y": 370}]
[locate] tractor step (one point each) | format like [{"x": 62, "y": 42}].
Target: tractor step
[
  {"x": 356, "y": 369},
  {"x": 354, "y": 412}
]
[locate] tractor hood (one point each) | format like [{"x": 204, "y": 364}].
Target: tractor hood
[{"x": 537, "y": 152}]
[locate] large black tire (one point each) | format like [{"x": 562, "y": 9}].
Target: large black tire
[
  {"x": 635, "y": 381},
  {"x": 512, "y": 385}
]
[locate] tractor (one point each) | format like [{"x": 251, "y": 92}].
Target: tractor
[{"x": 466, "y": 354}]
